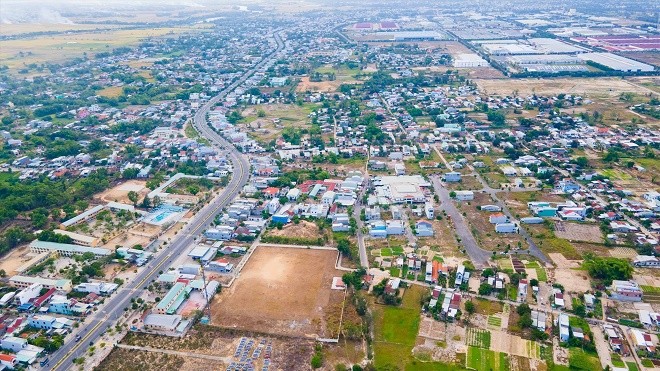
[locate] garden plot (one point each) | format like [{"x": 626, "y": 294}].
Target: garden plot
[
  {"x": 623, "y": 253},
  {"x": 477, "y": 337},
  {"x": 501, "y": 341},
  {"x": 483, "y": 359}
]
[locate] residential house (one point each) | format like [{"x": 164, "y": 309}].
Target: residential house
[{"x": 625, "y": 291}]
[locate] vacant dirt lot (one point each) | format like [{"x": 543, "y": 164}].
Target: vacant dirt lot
[
  {"x": 281, "y": 291},
  {"x": 119, "y": 193},
  {"x": 573, "y": 280},
  {"x": 578, "y": 232},
  {"x": 14, "y": 259},
  {"x": 320, "y": 86},
  {"x": 583, "y": 87},
  {"x": 304, "y": 229}
]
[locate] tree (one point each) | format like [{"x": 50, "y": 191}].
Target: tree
[
  {"x": 582, "y": 161},
  {"x": 523, "y": 309},
  {"x": 452, "y": 194},
  {"x": 133, "y": 197},
  {"x": 130, "y": 173},
  {"x": 607, "y": 269},
  {"x": 470, "y": 307},
  {"x": 525, "y": 320},
  {"x": 485, "y": 289}
]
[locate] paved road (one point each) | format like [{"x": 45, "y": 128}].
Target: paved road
[
  {"x": 533, "y": 249},
  {"x": 96, "y": 324},
  {"x": 478, "y": 255}
]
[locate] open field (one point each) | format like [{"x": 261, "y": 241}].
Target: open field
[
  {"x": 280, "y": 290},
  {"x": 141, "y": 360},
  {"x": 304, "y": 229},
  {"x": 15, "y": 259},
  {"x": 483, "y": 359},
  {"x": 221, "y": 344},
  {"x": 264, "y": 129},
  {"x": 395, "y": 333},
  {"x": 60, "y": 47},
  {"x": 578, "y": 232},
  {"x": 603, "y": 86},
  {"x": 513, "y": 344},
  {"x": 119, "y": 193}
]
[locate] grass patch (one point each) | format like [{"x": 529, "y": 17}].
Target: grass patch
[
  {"x": 386, "y": 252},
  {"x": 397, "y": 250},
  {"x": 616, "y": 360},
  {"x": 650, "y": 289},
  {"x": 487, "y": 307},
  {"x": 541, "y": 275},
  {"x": 477, "y": 337},
  {"x": 395, "y": 272},
  {"x": 559, "y": 245},
  {"x": 647, "y": 362},
  {"x": 512, "y": 292},
  {"x": 533, "y": 264},
  {"x": 483, "y": 359},
  {"x": 579, "y": 360},
  {"x": 632, "y": 366},
  {"x": 495, "y": 321}
]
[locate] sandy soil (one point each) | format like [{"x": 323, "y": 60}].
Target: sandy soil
[
  {"x": 573, "y": 280},
  {"x": 119, "y": 193},
  {"x": 579, "y": 232},
  {"x": 280, "y": 290},
  {"x": 583, "y": 87},
  {"x": 304, "y": 229},
  {"x": 321, "y": 86},
  {"x": 14, "y": 259}
]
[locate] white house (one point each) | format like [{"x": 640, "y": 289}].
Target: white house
[
  {"x": 452, "y": 177},
  {"x": 328, "y": 198},
  {"x": 506, "y": 228},
  {"x": 498, "y": 218},
  {"x": 464, "y": 195}
]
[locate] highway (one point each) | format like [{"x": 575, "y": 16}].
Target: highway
[{"x": 94, "y": 325}]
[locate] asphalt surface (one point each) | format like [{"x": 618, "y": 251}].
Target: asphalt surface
[
  {"x": 478, "y": 256},
  {"x": 94, "y": 325}
]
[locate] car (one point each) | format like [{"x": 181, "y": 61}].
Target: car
[
  {"x": 78, "y": 338},
  {"x": 44, "y": 362}
]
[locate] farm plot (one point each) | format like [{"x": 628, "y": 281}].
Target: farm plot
[
  {"x": 477, "y": 337},
  {"x": 494, "y": 321},
  {"x": 286, "y": 290},
  {"x": 483, "y": 359},
  {"x": 578, "y": 232},
  {"x": 513, "y": 344}
]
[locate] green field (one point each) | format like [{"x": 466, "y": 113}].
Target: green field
[
  {"x": 616, "y": 174},
  {"x": 541, "y": 275},
  {"x": 650, "y": 289},
  {"x": 386, "y": 252},
  {"x": 397, "y": 250},
  {"x": 395, "y": 332},
  {"x": 494, "y": 321},
  {"x": 532, "y": 264},
  {"x": 580, "y": 360},
  {"x": 477, "y": 337},
  {"x": 632, "y": 366},
  {"x": 395, "y": 272},
  {"x": 483, "y": 359},
  {"x": 487, "y": 307}
]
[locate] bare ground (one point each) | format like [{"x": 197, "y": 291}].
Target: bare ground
[{"x": 280, "y": 290}]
